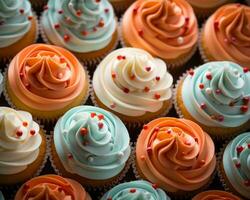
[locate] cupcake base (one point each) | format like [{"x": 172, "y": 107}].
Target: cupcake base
[
  {"x": 91, "y": 184},
  {"x": 29, "y": 38},
  {"x": 215, "y": 132},
  {"x": 137, "y": 120},
  {"x": 32, "y": 170}
]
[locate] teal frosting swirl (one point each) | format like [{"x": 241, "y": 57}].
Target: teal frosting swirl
[
  {"x": 225, "y": 88},
  {"x": 14, "y": 23},
  {"x": 88, "y": 23},
  {"x": 236, "y": 163},
  {"x": 98, "y": 153},
  {"x": 135, "y": 190}
]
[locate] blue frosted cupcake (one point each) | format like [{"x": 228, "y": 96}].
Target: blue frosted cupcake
[
  {"x": 135, "y": 190},
  {"x": 88, "y": 28},
  {"x": 91, "y": 146},
  {"x": 216, "y": 96},
  {"x": 234, "y": 166}
]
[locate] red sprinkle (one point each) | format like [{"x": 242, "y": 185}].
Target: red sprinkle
[
  {"x": 56, "y": 26},
  {"x": 70, "y": 156},
  {"x": 156, "y": 129},
  {"x": 248, "y": 145},
  {"x": 97, "y": 1},
  {"x": 126, "y": 90},
  {"x": 85, "y": 33},
  {"x": 101, "y": 23},
  {"x": 19, "y": 133},
  {"x": 25, "y": 124},
  {"x": 132, "y": 77},
  {"x": 146, "y": 89},
  {"x": 120, "y": 57},
  {"x": 45, "y": 7},
  {"x": 21, "y": 11},
  {"x": 209, "y": 76},
  {"x": 113, "y": 75},
  {"x": 30, "y": 17},
  {"x": 140, "y": 32},
  {"x": 218, "y": 91},
  {"x": 92, "y": 115},
  {"x": 247, "y": 183},
  {"x": 106, "y": 10},
  {"x": 157, "y": 78},
  {"x": 100, "y": 125},
  {"x": 60, "y": 12},
  {"x": 201, "y": 86},
  {"x": 191, "y": 72},
  {"x": 239, "y": 149},
  {"x": 244, "y": 108},
  {"x": 84, "y": 131},
  {"x": 32, "y": 132},
  {"x": 245, "y": 70},
  {"x": 246, "y": 100},
  {"x": 149, "y": 150},
  {"x": 148, "y": 69},
  {"x": 132, "y": 190},
  {"x": 145, "y": 127},
  {"x": 100, "y": 117},
  {"x": 155, "y": 186},
  {"x": 113, "y": 105},
  {"x": 157, "y": 96},
  {"x": 78, "y": 13},
  {"x": 203, "y": 106},
  {"x": 237, "y": 165},
  {"x": 220, "y": 118},
  {"x": 216, "y": 25},
  {"x": 66, "y": 37}
]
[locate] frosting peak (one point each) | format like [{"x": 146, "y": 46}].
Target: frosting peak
[
  {"x": 219, "y": 95},
  {"x": 19, "y": 140},
  {"x": 136, "y": 73},
  {"x": 91, "y": 137}
]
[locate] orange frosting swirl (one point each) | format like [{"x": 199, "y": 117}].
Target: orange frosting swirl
[
  {"x": 215, "y": 195},
  {"x": 165, "y": 28},
  {"x": 176, "y": 154},
  {"x": 46, "y": 77},
  {"x": 52, "y": 187},
  {"x": 226, "y": 34}
]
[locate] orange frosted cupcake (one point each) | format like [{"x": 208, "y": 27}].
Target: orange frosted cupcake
[
  {"x": 46, "y": 81},
  {"x": 18, "y": 27},
  {"x": 22, "y": 146},
  {"x": 51, "y": 187},
  {"x": 226, "y": 36},
  {"x": 215, "y": 194},
  {"x": 166, "y": 29},
  {"x": 175, "y": 154}
]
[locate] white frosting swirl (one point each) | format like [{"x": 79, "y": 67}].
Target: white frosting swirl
[
  {"x": 133, "y": 82},
  {"x": 19, "y": 140}
]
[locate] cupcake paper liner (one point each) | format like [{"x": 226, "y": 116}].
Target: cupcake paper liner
[
  {"x": 179, "y": 195},
  {"x": 201, "y": 50},
  {"x": 134, "y": 124},
  {"x": 15, "y": 187},
  {"x": 42, "y": 120},
  {"x": 87, "y": 62},
  {"x": 90, "y": 187},
  {"x": 171, "y": 65},
  {"x": 8, "y": 59}
]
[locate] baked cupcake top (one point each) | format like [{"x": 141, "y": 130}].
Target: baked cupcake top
[
  {"x": 80, "y": 26},
  {"x": 135, "y": 190},
  {"x": 165, "y": 28},
  {"x": 175, "y": 154},
  {"x": 132, "y": 82},
  {"x": 215, "y": 194},
  {"x": 19, "y": 138},
  {"x": 217, "y": 94},
  {"x": 206, "y": 3},
  {"x": 226, "y": 35},
  {"x": 236, "y": 164},
  {"x": 92, "y": 143},
  {"x": 52, "y": 187},
  {"x": 15, "y": 17},
  {"x": 46, "y": 77}
]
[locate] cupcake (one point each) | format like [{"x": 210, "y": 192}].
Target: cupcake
[
  {"x": 87, "y": 28},
  {"x": 22, "y": 146},
  {"x": 226, "y": 36},
  {"x": 176, "y": 155},
  {"x": 91, "y": 145},
  {"x": 133, "y": 84},
  {"x": 135, "y": 190},
  {"x": 216, "y": 96},
  {"x": 167, "y": 29},
  {"x": 203, "y": 8},
  {"x": 51, "y": 187},
  {"x": 234, "y": 168},
  {"x": 18, "y": 27},
  {"x": 215, "y": 194},
  {"x": 121, "y": 5},
  {"x": 46, "y": 80}
]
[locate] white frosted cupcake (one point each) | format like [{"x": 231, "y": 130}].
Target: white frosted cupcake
[{"x": 133, "y": 84}]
